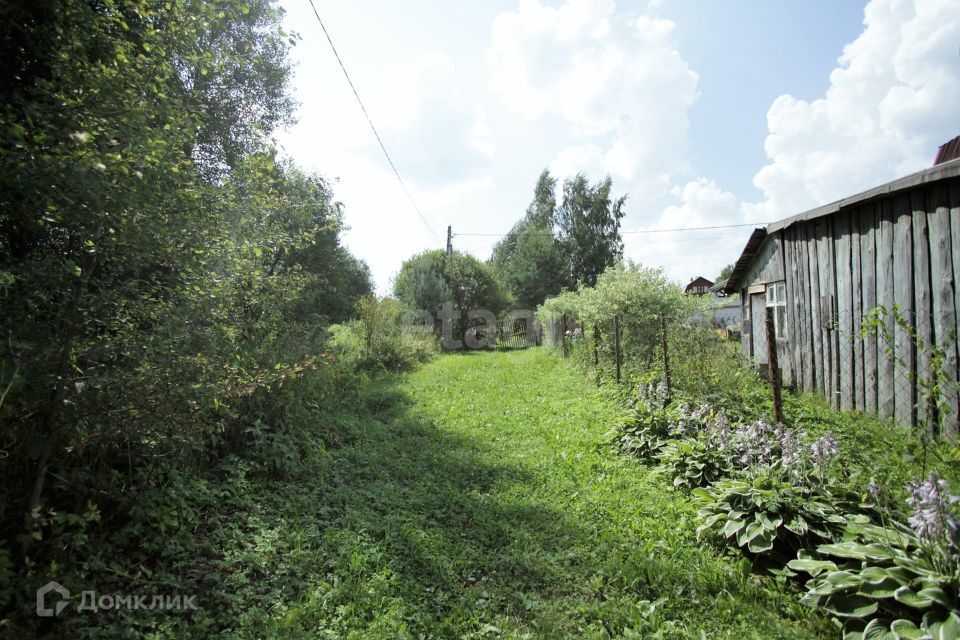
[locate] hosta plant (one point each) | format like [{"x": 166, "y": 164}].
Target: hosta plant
[
  {"x": 652, "y": 424},
  {"x": 643, "y": 433},
  {"x": 893, "y": 581},
  {"x": 691, "y": 462},
  {"x": 768, "y": 516}
]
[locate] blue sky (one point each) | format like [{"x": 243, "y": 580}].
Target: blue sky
[{"x": 703, "y": 112}]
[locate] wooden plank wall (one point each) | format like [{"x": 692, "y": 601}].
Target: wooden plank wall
[{"x": 899, "y": 249}]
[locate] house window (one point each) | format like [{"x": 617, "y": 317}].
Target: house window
[{"x": 777, "y": 299}]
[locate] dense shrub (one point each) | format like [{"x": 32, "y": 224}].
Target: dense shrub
[
  {"x": 893, "y": 580},
  {"x": 641, "y": 299},
  {"x": 381, "y": 337}
]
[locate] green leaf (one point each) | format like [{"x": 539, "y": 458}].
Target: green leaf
[
  {"x": 843, "y": 579},
  {"x": 905, "y": 630},
  {"x": 813, "y": 567},
  {"x": 949, "y": 629},
  {"x": 732, "y": 527},
  {"x": 748, "y": 533},
  {"x": 763, "y": 542},
  {"x": 909, "y": 597},
  {"x": 856, "y": 551},
  {"x": 882, "y": 589},
  {"x": 850, "y": 605},
  {"x": 798, "y": 525},
  {"x": 768, "y": 521},
  {"x": 939, "y": 596},
  {"x": 878, "y": 629},
  {"x": 702, "y": 494}
]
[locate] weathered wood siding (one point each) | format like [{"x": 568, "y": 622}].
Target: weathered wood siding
[{"x": 901, "y": 248}]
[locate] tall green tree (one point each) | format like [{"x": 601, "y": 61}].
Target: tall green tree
[
  {"x": 431, "y": 279},
  {"x": 588, "y": 221},
  {"x": 529, "y": 260},
  {"x": 152, "y": 251},
  {"x": 725, "y": 273}
]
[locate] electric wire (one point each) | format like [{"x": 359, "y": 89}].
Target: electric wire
[{"x": 370, "y": 122}]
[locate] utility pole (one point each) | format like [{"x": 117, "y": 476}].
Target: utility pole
[{"x": 449, "y": 241}]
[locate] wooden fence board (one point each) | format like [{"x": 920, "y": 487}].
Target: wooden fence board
[
  {"x": 885, "y": 349},
  {"x": 943, "y": 301},
  {"x": 904, "y": 392},
  {"x": 954, "y": 195},
  {"x": 856, "y": 312},
  {"x": 792, "y": 291},
  {"x": 921, "y": 284},
  {"x": 803, "y": 306},
  {"x": 828, "y": 305},
  {"x": 844, "y": 359},
  {"x": 869, "y": 221},
  {"x": 816, "y": 337}
]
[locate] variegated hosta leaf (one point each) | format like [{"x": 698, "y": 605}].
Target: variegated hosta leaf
[{"x": 813, "y": 567}]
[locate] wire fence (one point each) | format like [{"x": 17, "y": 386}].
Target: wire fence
[{"x": 887, "y": 363}]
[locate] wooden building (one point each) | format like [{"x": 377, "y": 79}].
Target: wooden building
[
  {"x": 698, "y": 286},
  {"x": 822, "y": 271}
]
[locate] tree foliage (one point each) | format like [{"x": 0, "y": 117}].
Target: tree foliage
[
  {"x": 529, "y": 260},
  {"x": 588, "y": 221},
  {"x": 164, "y": 275},
  {"x": 432, "y": 279},
  {"x": 553, "y": 246}
]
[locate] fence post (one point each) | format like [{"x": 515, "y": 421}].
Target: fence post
[
  {"x": 596, "y": 346},
  {"x": 666, "y": 354},
  {"x": 616, "y": 343},
  {"x": 596, "y": 352},
  {"x": 563, "y": 335},
  {"x": 774, "y": 367}
]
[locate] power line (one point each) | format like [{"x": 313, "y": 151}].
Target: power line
[
  {"x": 370, "y": 122},
  {"x": 719, "y": 226}
]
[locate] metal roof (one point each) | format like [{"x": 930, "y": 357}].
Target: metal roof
[
  {"x": 949, "y": 169},
  {"x": 743, "y": 262},
  {"x": 948, "y": 151}
]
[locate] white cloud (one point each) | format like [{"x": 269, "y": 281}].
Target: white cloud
[
  {"x": 440, "y": 136},
  {"x": 701, "y": 203},
  {"x": 616, "y": 80},
  {"x": 892, "y": 99}
]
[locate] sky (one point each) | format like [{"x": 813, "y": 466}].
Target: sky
[{"x": 702, "y": 113}]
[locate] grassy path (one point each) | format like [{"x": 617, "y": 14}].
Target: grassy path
[{"x": 481, "y": 505}]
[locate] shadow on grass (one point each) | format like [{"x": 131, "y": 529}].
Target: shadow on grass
[{"x": 417, "y": 531}]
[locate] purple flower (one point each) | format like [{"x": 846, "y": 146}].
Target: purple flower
[
  {"x": 791, "y": 445},
  {"x": 875, "y": 491},
  {"x": 753, "y": 443},
  {"x": 824, "y": 450},
  {"x": 931, "y": 501}
]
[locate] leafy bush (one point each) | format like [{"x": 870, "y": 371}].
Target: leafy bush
[
  {"x": 649, "y": 424},
  {"x": 769, "y": 516},
  {"x": 691, "y": 462},
  {"x": 640, "y": 298},
  {"x": 380, "y": 338},
  {"x": 783, "y": 499},
  {"x": 895, "y": 580}
]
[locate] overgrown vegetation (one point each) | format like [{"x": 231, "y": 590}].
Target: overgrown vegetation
[
  {"x": 799, "y": 496},
  {"x": 166, "y": 280},
  {"x": 456, "y": 287},
  {"x": 383, "y": 337},
  {"x": 556, "y": 246}
]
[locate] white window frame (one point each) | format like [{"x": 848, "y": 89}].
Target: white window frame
[{"x": 776, "y": 297}]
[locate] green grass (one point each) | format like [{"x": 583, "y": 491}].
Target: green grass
[
  {"x": 472, "y": 498},
  {"x": 482, "y": 504}
]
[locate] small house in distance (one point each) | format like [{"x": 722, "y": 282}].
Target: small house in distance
[
  {"x": 823, "y": 270},
  {"x": 727, "y": 314},
  {"x": 698, "y": 286}
]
